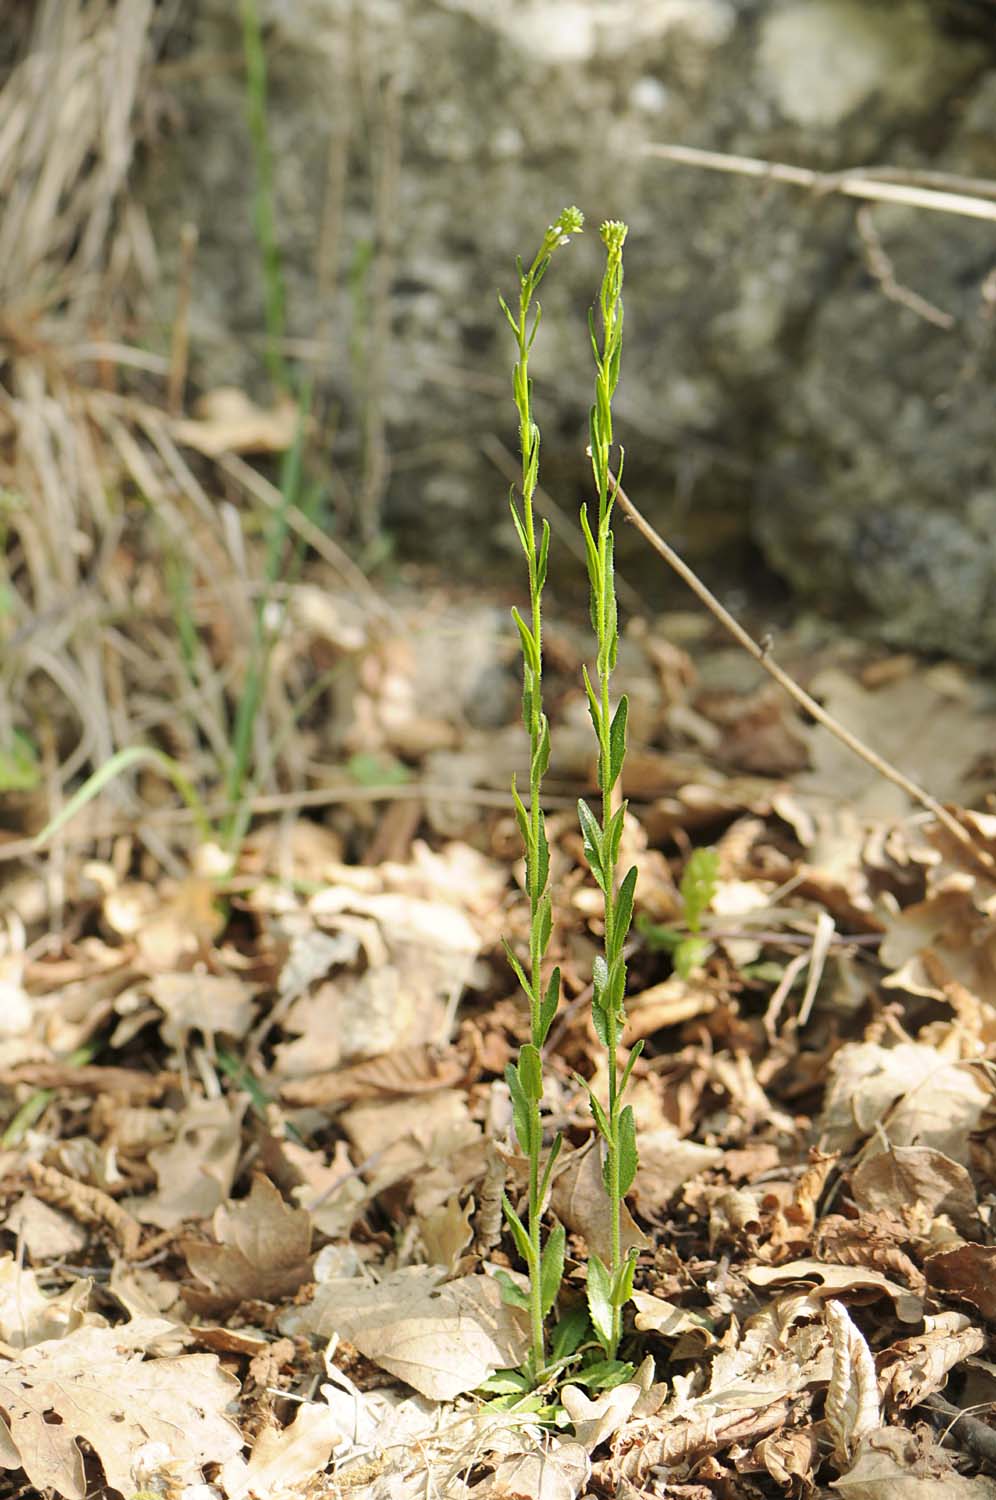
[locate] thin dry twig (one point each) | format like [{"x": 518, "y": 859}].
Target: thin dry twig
[
  {"x": 762, "y": 654},
  {"x": 857, "y": 183}
]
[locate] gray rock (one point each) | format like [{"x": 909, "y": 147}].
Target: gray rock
[{"x": 772, "y": 393}]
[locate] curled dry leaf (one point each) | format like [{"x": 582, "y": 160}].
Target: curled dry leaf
[
  {"x": 28, "y": 1317},
  {"x": 914, "y": 1368},
  {"x": 894, "y": 1462},
  {"x": 831, "y": 1280},
  {"x": 852, "y": 1409},
  {"x": 968, "y": 1272},
  {"x": 580, "y": 1202}
]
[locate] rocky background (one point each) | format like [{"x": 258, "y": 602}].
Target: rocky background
[{"x": 780, "y": 410}]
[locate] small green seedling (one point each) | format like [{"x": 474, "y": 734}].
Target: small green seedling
[{"x": 689, "y": 949}]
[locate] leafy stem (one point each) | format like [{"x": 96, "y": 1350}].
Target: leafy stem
[
  {"x": 544, "y": 1264},
  {"x": 609, "y": 1288}
]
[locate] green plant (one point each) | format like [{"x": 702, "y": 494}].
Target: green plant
[
  {"x": 544, "y": 1263},
  {"x": 688, "y": 948},
  {"x": 609, "y": 1287}
]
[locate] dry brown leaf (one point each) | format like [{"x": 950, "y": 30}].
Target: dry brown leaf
[
  {"x": 580, "y": 1202},
  {"x": 790, "y": 1458},
  {"x": 968, "y": 1272},
  {"x": 284, "y": 1459},
  {"x": 596, "y": 1419},
  {"x": 99, "y": 1386},
  {"x": 411, "y": 1070},
  {"x": 915, "y": 1184},
  {"x": 913, "y": 1368},
  {"x": 666, "y": 1163},
  {"x": 832, "y": 1281},
  {"x": 918, "y": 1097},
  {"x": 197, "y": 1169},
  {"x": 47, "y": 1233},
  {"x": 557, "y": 1472},
  {"x": 442, "y": 1338},
  {"x": 263, "y": 1252},
  {"x": 447, "y": 1231},
  {"x": 28, "y": 1317},
  {"x": 213, "y": 1004},
  {"x": 693, "y": 1331},
  {"x": 852, "y": 1410},
  {"x": 895, "y": 1462}
]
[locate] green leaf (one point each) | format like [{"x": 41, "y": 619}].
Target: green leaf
[
  {"x": 543, "y": 857},
  {"x": 698, "y": 885},
  {"x": 544, "y": 553},
  {"x": 600, "y": 1021},
  {"x": 623, "y": 910},
  {"x": 530, "y": 650},
  {"x": 690, "y": 954},
  {"x": 531, "y": 1072},
  {"x": 512, "y": 1296},
  {"x": 594, "y": 565},
  {"x": 594, "y": 708},
  {"x": 541, "y": 760},
  {"x": 19, "y": 768},
  {"x": 517, "y": 969},
  {"x": 570, "y": 1332},
  {"x": 521, "y": 1113},
  {"x": 634, "y": 1054},
  {"x": 519, "y": 1234},
  {"x": 520, "y": 529},
  {"x": 548, "y": 1009},
  {"x": 505, "y": 309},
  {"x": 550, "y": 1162},
  {"x": 592, "y": 834},
  {"x": 617, "y": 740},
  {"x": 552, "y": 1267},
  {"x": 506, "y": 1382},
  {"x": 622, "y": 1289},
  {"x": 601, "y": 1118},
  {"x": 613, "y": 837},
  {"x": 521, "y": 816},
  {"x": 598, "y": 1288},
  {"x": 626, "y": 1150},
  {"x": 545, "y": 916},
  {"x": 603, "y": 1375}
]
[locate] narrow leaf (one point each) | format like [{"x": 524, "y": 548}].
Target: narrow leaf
[
  {"x": 548, "y": 1009},
  {"x": 521, "y": 816},
  {"x": 569, "y": 1332},
  {"x": 594, "y": 707},
  {"x": 622, "y": 1290},
  {"x": 519, "y": 1234},
  {"x": 624, "y": 909},
  {"x": 511, "y": 1295},
  {"x": 598, "y": 1288},
  {"x": 544, "y": 553},
  {"x": 548, "y": 1169},
  {"x": 521, "y": 1113},
  {"x": 545, "y": 915},
  {"x": 517, "y": 969},
  {"x": 592, "y": 834},
  {"x": 531, "y": 1072},
  {"x": 617, "y": 740},
  {"x": 552, "y": 1267},
  {"x": 634, "y": 1054},
  {"x": 626, "y": 1150},
  {"x": 530, "y": 651}
]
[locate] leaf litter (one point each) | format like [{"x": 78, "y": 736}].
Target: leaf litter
[{"x": 293, "y": 1131}]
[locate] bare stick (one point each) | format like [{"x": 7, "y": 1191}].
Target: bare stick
[
  {"x": 815, "y": 710},
  {"x": 853, "y": 184}
]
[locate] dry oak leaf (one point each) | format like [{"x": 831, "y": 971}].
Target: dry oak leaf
[
  {"x": 442, "y": 1338},
  {"x": 28, "y": 1317},
  {"x": 920, "y": 1097},
  {"x": 968, "y": 1272},
  {"x": 284, "y": 1458},
  {"x": 96, "y": 1384},
  {"x": 263, "y": 1252},
  {"x": 558, "y": 1472},
  {"x": 895, "y": 1462},
  {"x": 916, "y": 1183}
]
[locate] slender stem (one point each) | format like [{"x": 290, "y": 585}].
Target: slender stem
[{"x": 525, "y": 1080}]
